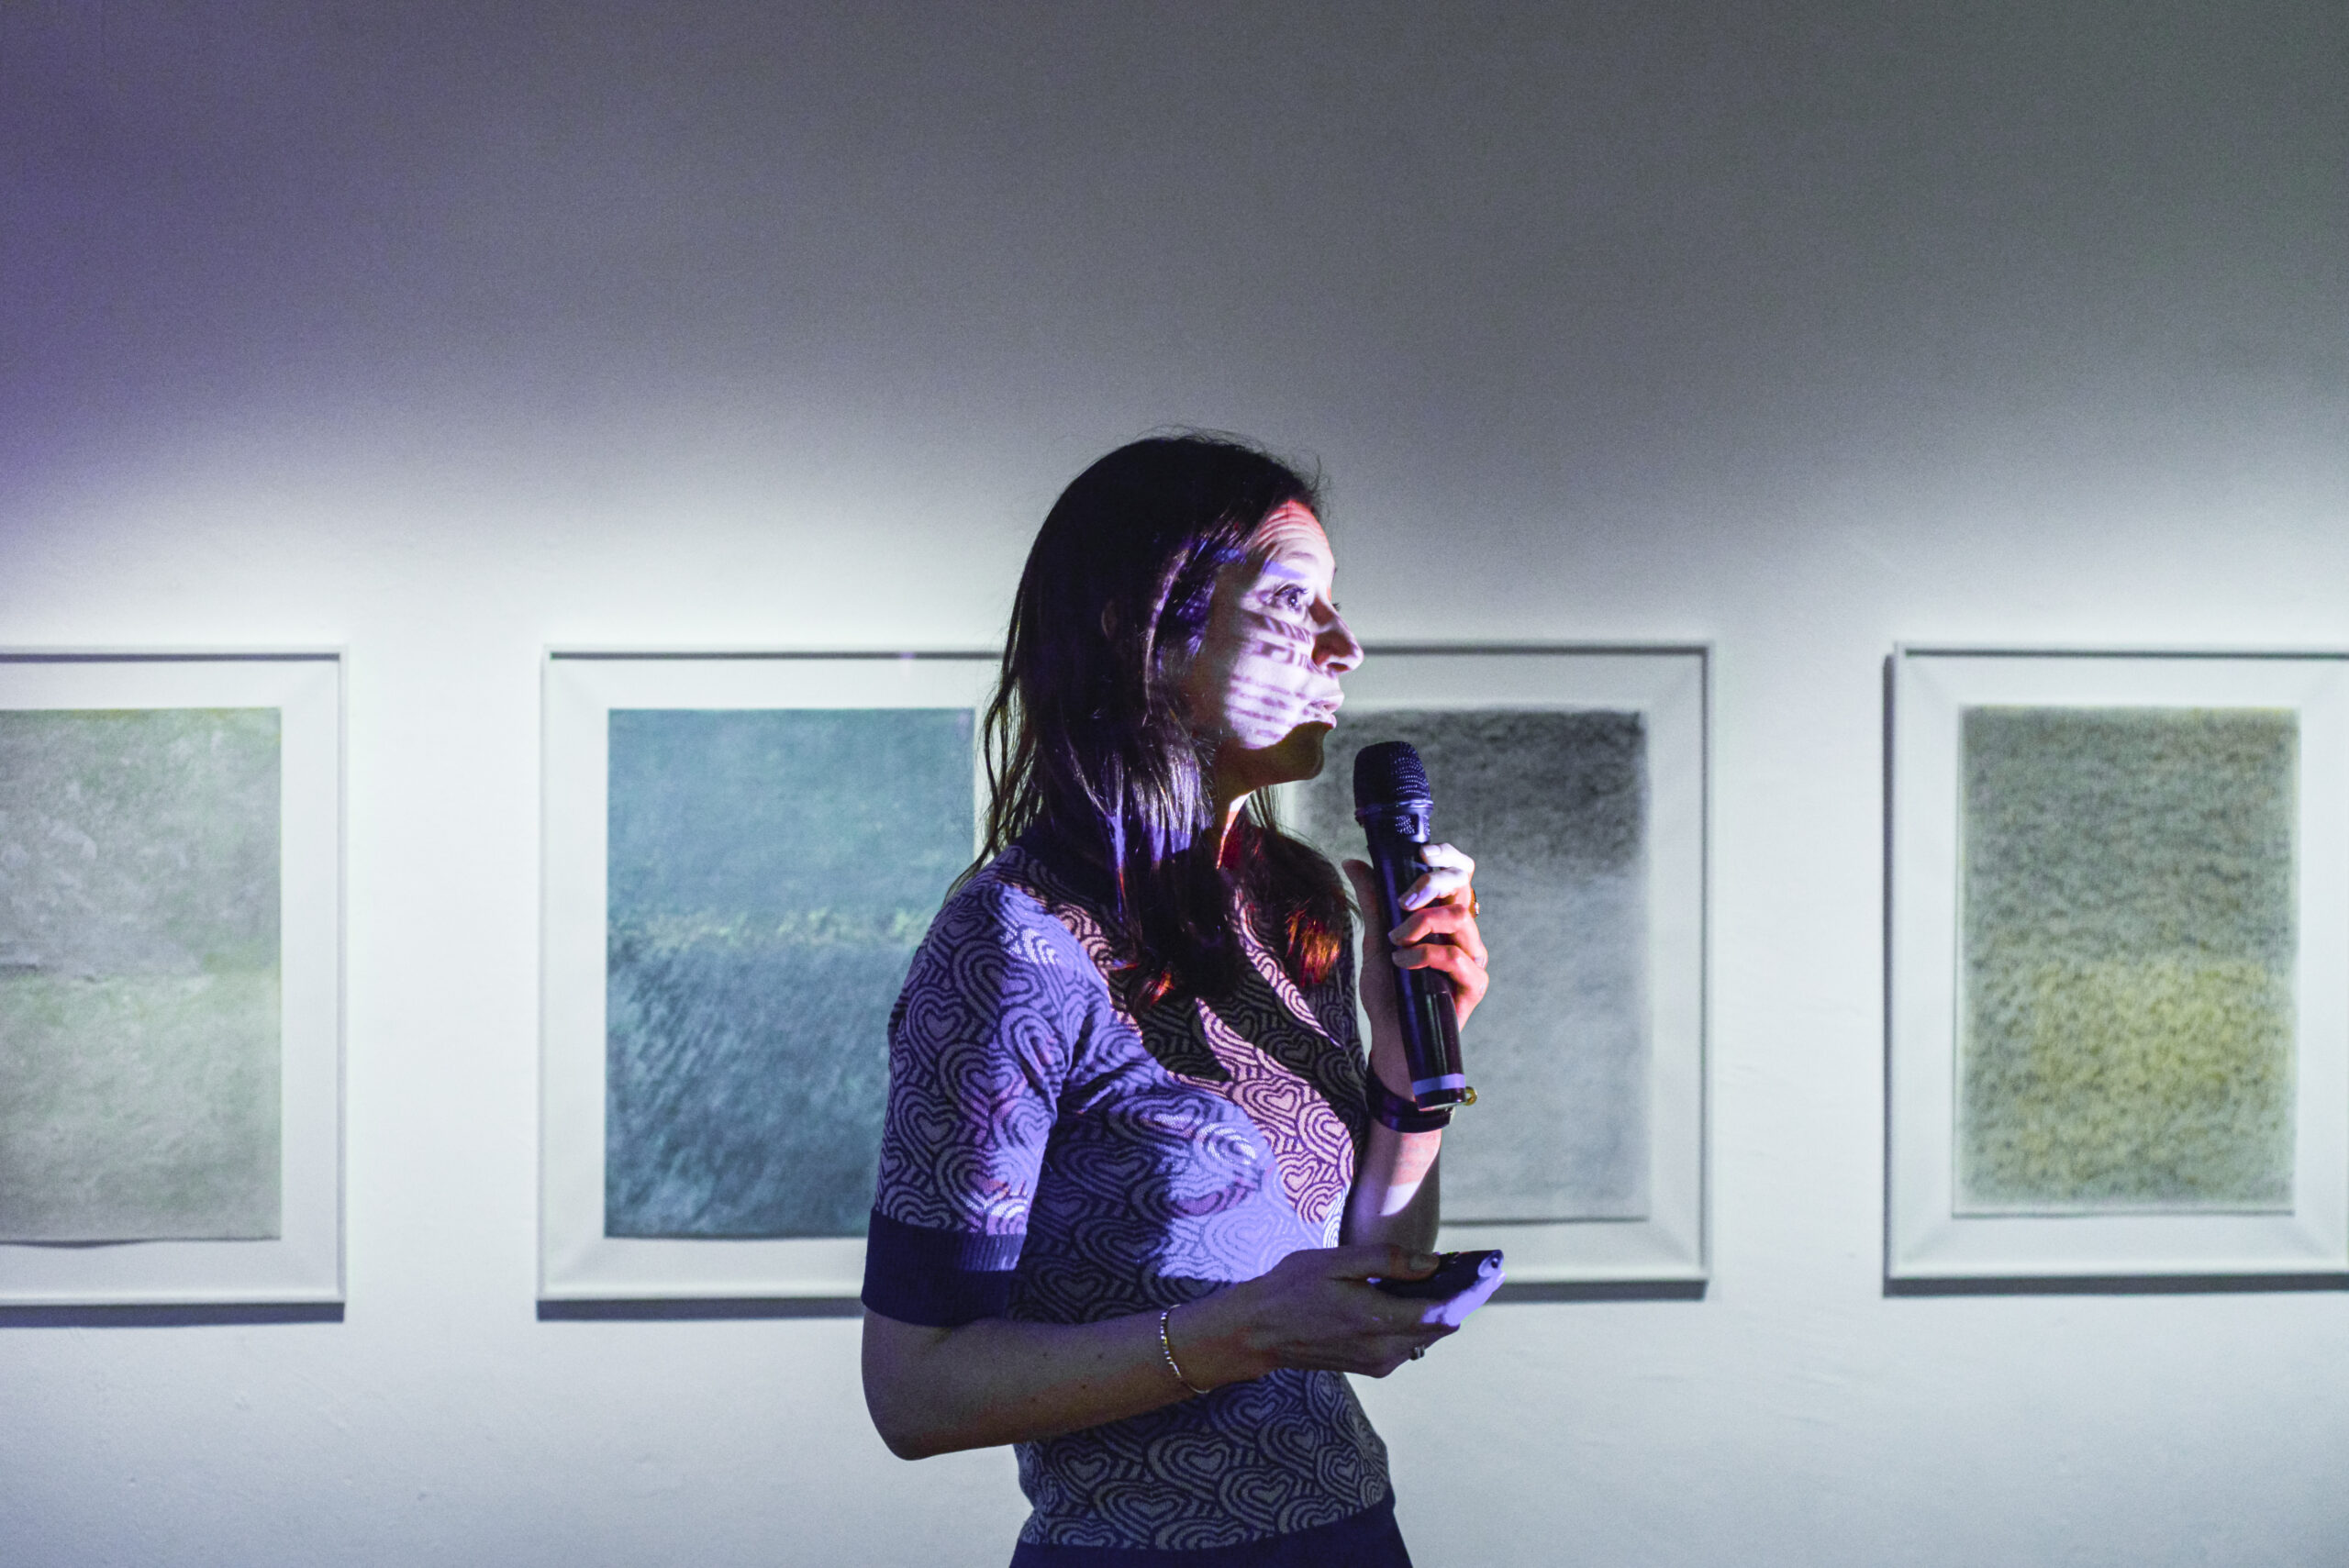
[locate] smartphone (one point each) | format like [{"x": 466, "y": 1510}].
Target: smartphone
[{"x": 1455, "y": 1273}]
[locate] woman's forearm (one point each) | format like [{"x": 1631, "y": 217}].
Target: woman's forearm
[
  {"x": 935, "y": 1390},
  {"x": 1395, "y": 1196},
  {"x": 995, "y": 1381}
]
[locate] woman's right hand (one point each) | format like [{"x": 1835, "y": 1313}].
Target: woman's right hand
[{"x": 1312, "y": 1309}]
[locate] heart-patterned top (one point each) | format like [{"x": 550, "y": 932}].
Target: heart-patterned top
[{"x": 1048, "y": 1157}]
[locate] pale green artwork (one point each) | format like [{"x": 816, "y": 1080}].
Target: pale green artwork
[
  {"x": 139, "y": 975},
  {"x": 2129, "y": 929}
]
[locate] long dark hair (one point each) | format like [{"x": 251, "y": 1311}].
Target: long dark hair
[{"x": 1088, "y": 755}]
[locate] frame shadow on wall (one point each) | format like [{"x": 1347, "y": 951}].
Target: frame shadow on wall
[{"x": 2117, "y": 911}]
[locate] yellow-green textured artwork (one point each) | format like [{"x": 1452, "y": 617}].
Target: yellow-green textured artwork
[{"x": 2128, "y": 934}]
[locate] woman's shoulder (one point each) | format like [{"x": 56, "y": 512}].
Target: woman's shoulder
[
  {"x": 1013, "y": 901},
  {"x": 996, "y": 952},
  {"x": 990, "y": 898}
]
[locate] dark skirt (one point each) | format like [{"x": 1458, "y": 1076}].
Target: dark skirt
[{"x": 1366, "y": 1540}]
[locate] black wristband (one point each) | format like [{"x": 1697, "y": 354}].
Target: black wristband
[{"x": 1404, "y": 1116}]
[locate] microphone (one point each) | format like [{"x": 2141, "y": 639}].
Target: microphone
[{"x": 1392, "y": 803}]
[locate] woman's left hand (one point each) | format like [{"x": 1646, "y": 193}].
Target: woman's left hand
[{"x": 1438, "y": 932}]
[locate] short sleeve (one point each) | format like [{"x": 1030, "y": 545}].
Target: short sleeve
[{"x": 980, "y": 1046}]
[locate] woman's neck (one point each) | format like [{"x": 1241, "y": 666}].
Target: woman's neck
[
  {"x": 1232, "y": 783},
  {"x": 1228, "y": 844}
]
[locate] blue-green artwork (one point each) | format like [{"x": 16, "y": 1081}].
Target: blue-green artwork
[
  {"x": 1554, "y": 807},
  {"x": 770, "y": 873},
  {"x": 2129, "y": 929},
  {"x": 139, "y": 1054}
]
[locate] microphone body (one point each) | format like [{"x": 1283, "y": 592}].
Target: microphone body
[{"x": 1392, "y": 803}]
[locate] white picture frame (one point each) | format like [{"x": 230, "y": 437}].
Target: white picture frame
[
  {"x": 303, "y": 1264},
  {"x": 577, "y": 1261},
  {"x": 1667, "y": 689},
  {"x": 1930, "y": 1235}
]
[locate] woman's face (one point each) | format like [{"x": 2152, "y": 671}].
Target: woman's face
[{"x": 1264, "y": 683}]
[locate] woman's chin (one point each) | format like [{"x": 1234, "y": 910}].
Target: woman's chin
[
  {"x": 1295, "y": 757},
  {"x": 1307, "y": 738}
]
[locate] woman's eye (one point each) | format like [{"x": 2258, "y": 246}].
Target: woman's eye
[{"x": 1289, "y": 598}]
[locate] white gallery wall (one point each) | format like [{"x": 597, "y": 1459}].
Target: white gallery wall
[{"x": 441, "y": 333}]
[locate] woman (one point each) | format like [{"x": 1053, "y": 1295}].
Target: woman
[{"x": 1134, "y": 1174}]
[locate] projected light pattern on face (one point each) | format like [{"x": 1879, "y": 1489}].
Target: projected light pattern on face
[{"x": 1264, "y": 685}]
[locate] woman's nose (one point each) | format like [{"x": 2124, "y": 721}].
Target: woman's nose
[{"x": 1334, "y": 648}]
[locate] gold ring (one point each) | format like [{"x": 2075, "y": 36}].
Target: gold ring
[{"x": 1475, "y": 909}]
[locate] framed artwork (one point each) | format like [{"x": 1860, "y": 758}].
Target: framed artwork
[
  {"x": 2120, "y": 916},
  {"x": 1576, "y": 778},
  {"x": 170, "y": 978},
  {"x": 742, "y": 853}
]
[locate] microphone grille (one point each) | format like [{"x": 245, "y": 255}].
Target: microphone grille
[{"x": 1390, "y": 774}]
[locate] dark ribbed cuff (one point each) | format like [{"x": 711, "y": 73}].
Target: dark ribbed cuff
[{"x": 940, "y": 1279}]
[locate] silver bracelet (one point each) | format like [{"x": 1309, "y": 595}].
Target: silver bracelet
[{"x": 1166, "y": 1349}]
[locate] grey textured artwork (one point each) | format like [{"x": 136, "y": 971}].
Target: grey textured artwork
[
  {"x": 771, "y": 872},
  {"x": 1554, "y": 807},
  {"x": 139, "y": 974},
  {"x": 2129, "y": 919}
]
